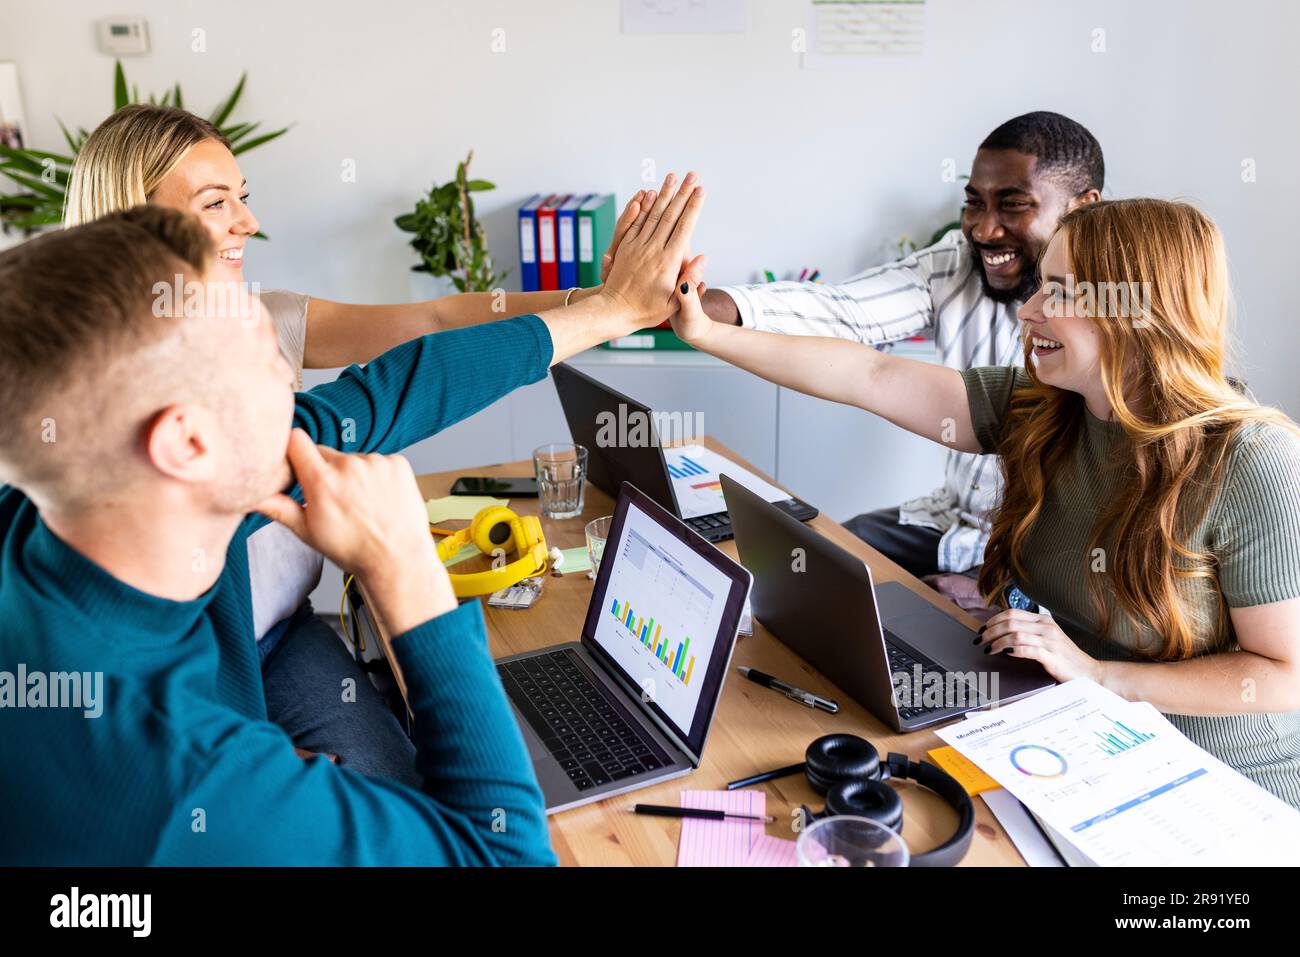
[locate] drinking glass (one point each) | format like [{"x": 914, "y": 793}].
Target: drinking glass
[
  {"x": 849, "y": 841},
  {"x": 561, "y": 479},
  {"x": 597, "y": 533}
]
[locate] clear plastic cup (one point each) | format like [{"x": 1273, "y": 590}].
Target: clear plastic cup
[
  {"x": 850, "y": 841},
  {"x": 597, "y": 534}
]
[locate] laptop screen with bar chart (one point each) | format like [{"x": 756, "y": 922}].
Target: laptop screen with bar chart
[
  {"x": 665, "y": 613},
  {"x": 695, "y": 473}
]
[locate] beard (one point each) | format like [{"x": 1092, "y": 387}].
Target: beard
[{"x": 1021, "y": 291}]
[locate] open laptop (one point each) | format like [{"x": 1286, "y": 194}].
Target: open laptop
[
  {"x": 683, "y": 480},
  {"x": 630, "y": 703},
  {"x": 871, "y": 641}
]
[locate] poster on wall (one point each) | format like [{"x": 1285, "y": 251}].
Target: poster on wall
[
  {"x": 848, "y": 34},
  {"x": 685, "y": 16}
]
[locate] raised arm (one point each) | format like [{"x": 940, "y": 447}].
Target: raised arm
[
  {"x": 929, "y": 400},
  {"x": 339, "y": 333},
  {"x": 883, "y": 304},
  {"x": 421, "y": 386}
]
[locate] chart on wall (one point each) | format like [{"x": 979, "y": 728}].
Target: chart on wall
[{"x": 843, "y": 34}]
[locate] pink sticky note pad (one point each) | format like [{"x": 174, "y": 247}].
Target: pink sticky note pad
[
  {"x": 720, "y": 843},
  {"x": 769, "y": 851}
]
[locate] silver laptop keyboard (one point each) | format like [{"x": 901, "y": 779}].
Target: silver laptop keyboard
[
  {"x": 583, "y": 728},
  {"x": 900, "y": 660}
]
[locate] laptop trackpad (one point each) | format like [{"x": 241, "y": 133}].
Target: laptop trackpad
[{"x": 932, "y": 633}]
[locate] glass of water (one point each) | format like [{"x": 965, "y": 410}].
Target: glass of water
[
  {"x": 597, "y": 534},
  {"x": 561, "y": 479},
  {"x": 849, "y": 841}
]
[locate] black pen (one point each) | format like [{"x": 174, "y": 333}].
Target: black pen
[
  {"x": 662, "y": 810},
  {"x": 790, "y": 691}
]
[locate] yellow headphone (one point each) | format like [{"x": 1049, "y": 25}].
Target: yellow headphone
[{"x": 497, "y": 528}]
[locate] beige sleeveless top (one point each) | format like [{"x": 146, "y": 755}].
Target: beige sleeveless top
[{"x": 283, "y": 571}]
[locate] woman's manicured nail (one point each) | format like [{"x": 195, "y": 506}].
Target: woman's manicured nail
[
  {"x": 983, "y": 628},
  {"x": 977, "y": 640},
  {"x": 987, "y": 649},
  {"x": 685, "y": 288}
]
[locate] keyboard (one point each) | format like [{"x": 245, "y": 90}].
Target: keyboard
[
  {"x": 584, "y": 728},
  {"x": 713, "y": 528},
  {"x": 900, "y": 660}
]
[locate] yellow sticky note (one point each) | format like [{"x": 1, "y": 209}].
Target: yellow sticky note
[
  {"x": 459, "y": 506},
  {"x": 968, "y": 775}
]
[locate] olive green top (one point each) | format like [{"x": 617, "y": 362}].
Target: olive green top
[{"x": 1252, "y": 528}]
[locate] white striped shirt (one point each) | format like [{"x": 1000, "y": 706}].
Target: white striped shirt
[{"x": 935, "y": 292}]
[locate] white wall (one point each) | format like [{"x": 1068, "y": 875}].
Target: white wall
[{"x": 804, "y": 168}]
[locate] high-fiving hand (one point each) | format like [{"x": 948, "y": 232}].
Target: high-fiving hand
[{"x": 649, "y": 249}]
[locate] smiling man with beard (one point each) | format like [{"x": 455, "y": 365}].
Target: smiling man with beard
[{"x": 964, "y": 290}]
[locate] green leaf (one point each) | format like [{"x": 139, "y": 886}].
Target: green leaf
[
  {"x": 239, "y": 131},
  {"x": 478, "y": 185},
  {"x": 73, "y": 145},
  {"x": 38, "y": 154},
  {"x": 222, "y": 112},
  {"x": 120, "y": 97},
  {"x": 35, "y": 185},
  {"x": 49, "y": 218},
  {"x": 19, "y": 159},
  {"x": 407, "y": 222},
  {"x": 176, "y": 98},
  {"x": 20, "y": 201},
  {"x": 258, "y": 141}
]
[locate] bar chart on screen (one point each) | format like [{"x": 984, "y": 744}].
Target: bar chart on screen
[
  {"x": 695, "y": 470},
  {"x": 662, "y": 610}
]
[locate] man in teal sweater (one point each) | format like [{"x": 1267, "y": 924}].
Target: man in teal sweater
[{"x": 136, "y": 443}]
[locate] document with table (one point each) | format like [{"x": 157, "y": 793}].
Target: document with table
[{"x": 1121, "y": 784}]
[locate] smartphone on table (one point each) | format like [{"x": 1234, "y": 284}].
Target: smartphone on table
[{"x": 506, "y": 487}]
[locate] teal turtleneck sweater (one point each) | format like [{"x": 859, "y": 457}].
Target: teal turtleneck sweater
[{"x": 181, "y": 765}]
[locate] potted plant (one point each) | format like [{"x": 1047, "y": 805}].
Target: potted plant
[
  {"x": 448, "y": 238},
  {"x": 42, "y": 177}
]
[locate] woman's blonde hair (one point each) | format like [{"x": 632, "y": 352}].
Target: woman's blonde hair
[
  {"x": 1163, "y": 373},
  {"x": 124, "y": 160}
]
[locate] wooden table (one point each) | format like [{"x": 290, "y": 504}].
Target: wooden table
[{"x": 754, "y": 729}]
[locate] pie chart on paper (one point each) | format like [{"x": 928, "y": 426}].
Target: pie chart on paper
[{"x": 1038, "y": 761}]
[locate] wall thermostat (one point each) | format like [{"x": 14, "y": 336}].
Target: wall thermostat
[{"x": 123, "y": 36}]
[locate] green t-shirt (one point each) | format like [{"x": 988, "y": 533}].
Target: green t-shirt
[{"x": 1251, "y": 527}]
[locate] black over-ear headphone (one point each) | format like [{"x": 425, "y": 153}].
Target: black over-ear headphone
[{"x": 848, "y": 771}]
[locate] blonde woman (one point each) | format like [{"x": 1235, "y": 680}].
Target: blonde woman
[
  {"x": 170, "y": 157},
  {"x": 1151, "y": 506},
  {"x": 156, "y": 154}
]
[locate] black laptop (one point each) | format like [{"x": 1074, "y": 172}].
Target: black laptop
[
  {"x": 897, "y": 654},
  {"x": 590, "y": 406},
  {"x": 630, "y": 703}
]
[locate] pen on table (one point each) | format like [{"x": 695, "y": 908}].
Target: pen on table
[
  {"x": 767, "y": 776},
  {"x": 815, "y": 274},
  {"x": 803, "y": 273},
  {"x": 662, "y": 810},
  {"x": 768, "y": 274},
  {"x": 790, "y": 691}
]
